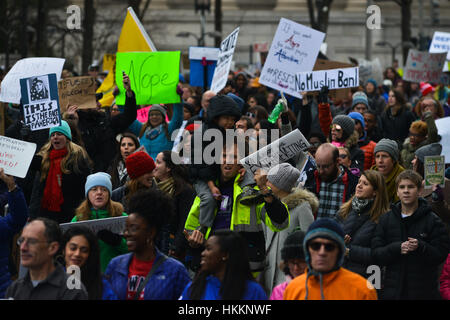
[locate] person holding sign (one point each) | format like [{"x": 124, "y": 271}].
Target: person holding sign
[
  {"x": 9, "y": 226},
  {"x": 98, "y": 205},
  {"x": 145, "y": 273},
  {"x": 155, "y": 134},
  {"x": 63, "y": 167}
]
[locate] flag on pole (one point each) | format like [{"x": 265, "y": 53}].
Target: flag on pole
[{"x": 133, "y": 36}]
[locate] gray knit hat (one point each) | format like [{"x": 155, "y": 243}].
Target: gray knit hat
[
  {"x": 347, "y": 124},
  {"x": 433, "y": 149},
  {"x": 158, "y": 107},
  {"x": 360, "y": 97},
  {"x": 389, "y": 146},
  {"x": 283, "y": 176}
]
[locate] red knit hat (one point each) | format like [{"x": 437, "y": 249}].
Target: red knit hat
[
  {"x": 139, "y": 163},
  {"x": 426, "y": 88}
]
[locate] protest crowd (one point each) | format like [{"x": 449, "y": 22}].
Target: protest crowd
[{"x": 122, "y": 207}]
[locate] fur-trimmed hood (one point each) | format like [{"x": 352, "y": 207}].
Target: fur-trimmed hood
[
  {"x": 298, "y": 196},
  {"x": 352, "y": 140}
]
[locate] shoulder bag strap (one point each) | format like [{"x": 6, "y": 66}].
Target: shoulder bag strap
[{"x": 150, "y": 273}]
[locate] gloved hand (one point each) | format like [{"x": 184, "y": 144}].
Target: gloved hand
[
  {"x": 109, "y": 237},
  {"x": 323, "y": 95},
  {"x": 179, "y": 90}
]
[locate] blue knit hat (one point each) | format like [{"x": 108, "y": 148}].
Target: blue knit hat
[
  {"x": 329, "y": 229},
  {"x": 98, "y": 179},
  {"x": 64, "y": 128},
  {"x": 372, "y": 81}
]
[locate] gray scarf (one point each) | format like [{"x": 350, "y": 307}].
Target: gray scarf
[{"x": 360, "y": 205}]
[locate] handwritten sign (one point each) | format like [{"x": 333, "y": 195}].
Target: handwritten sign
[
  {"x": 40, "y": 102},
  {"x": 16, "y": 156},
  {"x": 224, "y": 60},
  {"x": 142, "y": 114},
  {"x": 153, "y": 75},
  {"x": 334, "y": 79},
  {"x": 281, "y": 150},
  {"x": 115, "y": 224},
  {"x": 78, "y": 91},
  {"x": 294, "y": 49},
  {"x": 434, "y": 171},
  {"x": 424, "y": 66},
  {"x": 25, "y": 68},
  {"x": 439, "y": 44}
]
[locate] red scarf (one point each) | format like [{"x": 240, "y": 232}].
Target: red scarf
[{"x": 53, "y": 196}]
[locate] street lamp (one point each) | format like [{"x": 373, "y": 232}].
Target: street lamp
[
  {"x": 405, "y": 44},
  {"x": 202, "y": 6}
]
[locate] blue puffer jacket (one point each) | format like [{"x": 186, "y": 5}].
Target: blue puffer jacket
[
  {"x": 167, "y": 283},
  {"x": 160, "y": 143},
  {"x": 9, "y": 226}
]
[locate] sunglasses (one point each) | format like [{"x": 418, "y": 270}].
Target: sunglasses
[
  {"x": 250, "y": 115},
  {"x": 336, "y": 127},
  {"x": 343, "y": 156},
  {"x": 316, "y": 246}
]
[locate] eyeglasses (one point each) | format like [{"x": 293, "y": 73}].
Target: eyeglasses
[
  {"x": 250, "y": 115},
  {"x": 316, "y": 246},
  {"x": 315, "y": 144},
  {"x": 154, "y": 115},
  {"x": 29, "y": 241}
]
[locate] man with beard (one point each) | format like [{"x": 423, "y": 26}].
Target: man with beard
[{"x": 332, "y": 183}]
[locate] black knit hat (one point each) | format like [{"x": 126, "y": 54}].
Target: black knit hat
[{"x": 293, "y": 246}]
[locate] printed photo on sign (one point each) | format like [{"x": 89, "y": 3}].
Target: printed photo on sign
[{"x": 38, "y": 89}]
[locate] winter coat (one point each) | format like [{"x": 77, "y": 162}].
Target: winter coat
[
  {"x": 413, "y": 275},
  {"x": 408, "y": 151},
  {"x": 161, "y": 142},
  {"x": 301, "y": 204},
  {"x": 356, "y": 154},
  {"x": 368, "y": 147},
  {"x": 10, "y": 224},
  {"x": 376, "y": 103},
  {"x": 445, "y": 280},
  {"x": 166, "y": 283},
  {"x": 390, "y": 181},
  {"x": 397, "y": 127},
  {"x": 341, "y": 284},
  {"x": 440, "y": 206},
  {"x": 361, "y": 230},
  {"x": 253, "y": 290},
  {"x": 107, "y": 251},
  {"x": 72, "y": 186},
  {"x": 99, "y": 130}
]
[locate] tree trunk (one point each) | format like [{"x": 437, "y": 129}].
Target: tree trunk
[
  {"x": 41, "y": 35},
  {"x": 312, "y": 17},
  {"x": 135, "y": 4},
  {"x": 88, "y": 34},
  {"x": 406, "y": 27},
  {"x": 23, "y": 30},
  {"x": 218, "y": 22}
]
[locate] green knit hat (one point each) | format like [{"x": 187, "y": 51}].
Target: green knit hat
[{"x": 64, "y": 128}]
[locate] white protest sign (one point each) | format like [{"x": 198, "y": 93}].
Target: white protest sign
[
  {"x": 115, "y": 224},
  {"x": 25, "y": 68},
  {"x": 16, "y": 156},
  {"x": 294, "y": 49},
  {"x": 198, "y": 53},
  {"x": 370, "y": 70},
  {"x": 424, "y": 66},
  {"x": 439, "y": 44},
  {"x": 443, "y": 127},
  {"x": 223, "y": 66},
  {"x": 333, "y": 78},
  {"x": 40, "y": 102},
  {"x": 277, "y": 152}
]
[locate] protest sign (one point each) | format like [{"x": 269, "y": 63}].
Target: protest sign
[
  {"x": 109, "y": 60},
  {"x": 79, "y": 91},
  {"x": 25, "y": 68},
  {"x": 154, "y": 76},
  {"x": 40, "y": 102},
  {"x": 322, "y": 64},
  {"x": 424, "y": 66},
  {"x": 115, "y": 224},
  {"x": 439, "y": 44},
  {"x": 224, "y": 60},
  {"x": 16, "y": 156},
  {"x": 434, "y": 171},
  {"x": 201, "y": 58},
  {"x": 142, "y": 114},
  {"x": 370, "y": 70},
  {"x": 277, "y": 152},
  {"x": 443, "y": 127},
  {"x": 294, "y": 49},
  {"x": 333, "y": 78}
]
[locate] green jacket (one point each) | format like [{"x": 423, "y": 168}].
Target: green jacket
[
  {"x": 107, "y": 252},
  {"x": 390, "y": 181},
  {"x": 247, "y": 220}
]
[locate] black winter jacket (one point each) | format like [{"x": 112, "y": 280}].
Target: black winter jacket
[
  {"x": 414, "y": 275},
  {"x": 397, "y": 127}
]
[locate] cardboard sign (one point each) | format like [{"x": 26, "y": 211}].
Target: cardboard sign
[
  {"x": 277, "y": 152},
  {"x": 16, "y": 156},
  {"x": 439, "y": 44},
  {"x": 78, "y": 91},
  {"x": 424, "y": 66},
  {"x": 443, "y": 127},
  {"x": 198, "y": 57},
  {"x": 40, "y": 102},
  {"x": 434, "y": 171},
  {"x": 115, "y": 224},
  {"x": 333, "y": 78},
  {"x": 154, "y": 76},
  {"x": 294, "y": 49},
  {"x": 25, "y": 68},
  {"x": 224, "y": 60}
]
